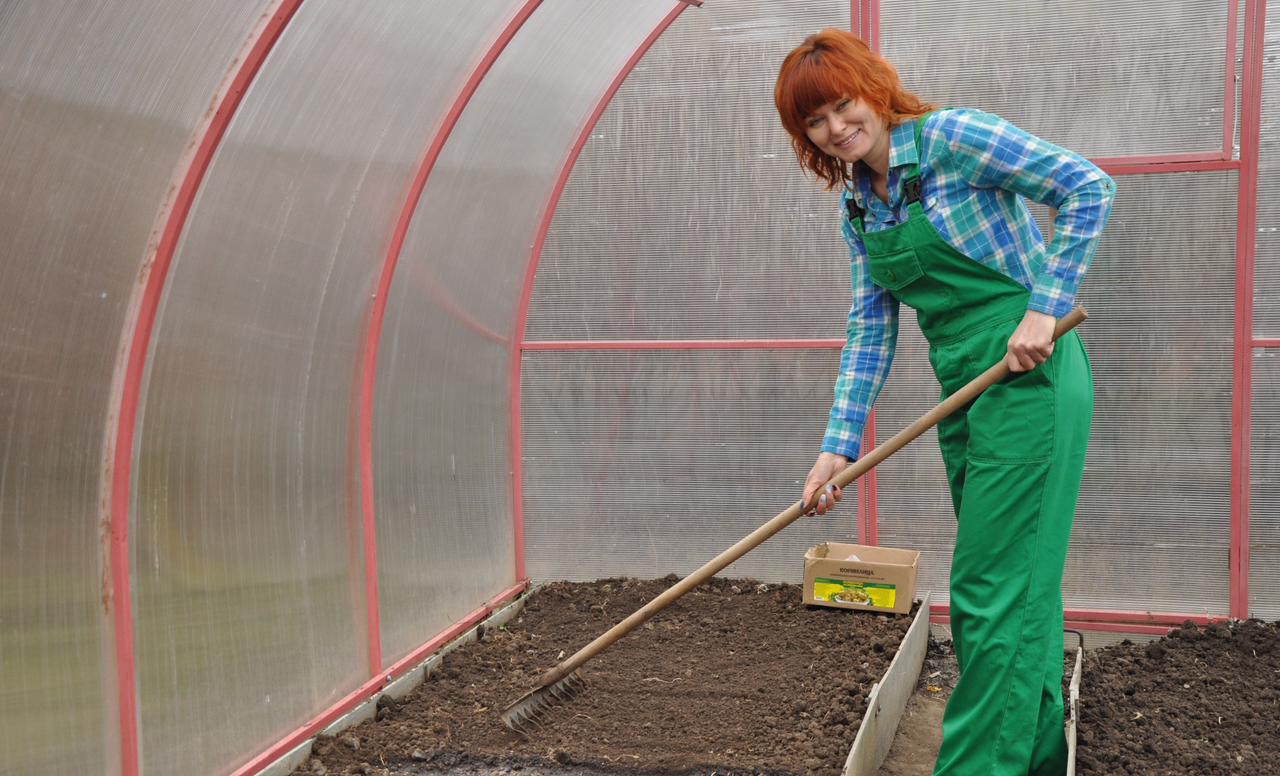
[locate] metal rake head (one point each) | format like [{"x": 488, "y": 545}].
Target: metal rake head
[{"x": 535, "y": 708}]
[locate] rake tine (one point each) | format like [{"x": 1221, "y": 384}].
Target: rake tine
[{"x": 534, "y": 709}]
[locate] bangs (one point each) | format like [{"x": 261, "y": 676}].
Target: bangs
[{"x": 811, "y": 84}]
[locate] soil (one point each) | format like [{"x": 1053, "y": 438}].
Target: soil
[
  {"x": 1202, "y": 701},
  {"x": 735, "y": 677}
]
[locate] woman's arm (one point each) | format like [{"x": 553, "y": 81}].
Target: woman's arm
[
  {"x": 870, "y": 339},
  {"x": 989, "y": 152}
]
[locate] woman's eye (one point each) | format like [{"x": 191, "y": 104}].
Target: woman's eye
[
  {"x": 814, "y": 122},
  {"x": 842, "y": 105}
]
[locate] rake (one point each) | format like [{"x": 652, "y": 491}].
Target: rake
[{"x": 535, "y": 708}]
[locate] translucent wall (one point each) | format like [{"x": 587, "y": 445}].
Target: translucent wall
[
  {"x": 97, "y": 104},
  {"x": 1264, "y": 523},
  {"x": 696, "y": 225},
  {"x": 685, "y": 218},
  {"x": 1101, "y": 77},
  {"x": 1155, "y": 506},
  {"x": 443, "y": 428},
  {"x": 1264, "y": 520},
  {"x": 250, "y": 574}
]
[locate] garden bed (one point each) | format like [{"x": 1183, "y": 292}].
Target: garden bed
[
  {"x": 736, "y": 677},
  {"x": 1202, "y": 701}
]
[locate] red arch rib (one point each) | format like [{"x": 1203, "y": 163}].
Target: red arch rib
[
  {"x": 369, "y": 363},
  {"x": 131, "y": 361},
  {"x": 526, "y": 293}
]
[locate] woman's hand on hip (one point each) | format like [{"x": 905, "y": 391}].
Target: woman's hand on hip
[
  {"x": 1032, "y": 341},
  {"x": 827, "y": 466}
]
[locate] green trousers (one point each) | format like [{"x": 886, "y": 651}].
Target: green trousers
[{"x": 1014, "y": 462}]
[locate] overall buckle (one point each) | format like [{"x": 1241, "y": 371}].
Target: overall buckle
[
  {"x": 856, "y": 213},
  {"x": 911, "y": 191}
]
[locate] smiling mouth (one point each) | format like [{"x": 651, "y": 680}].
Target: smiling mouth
[{"x": 848, "y": 141}]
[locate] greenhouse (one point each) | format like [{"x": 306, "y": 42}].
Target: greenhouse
[{"x": 362, "y": 361}]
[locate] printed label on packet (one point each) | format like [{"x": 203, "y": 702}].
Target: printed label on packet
[{"x": 838, "y": 591}]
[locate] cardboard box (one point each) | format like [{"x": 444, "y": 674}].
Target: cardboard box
[{"x": 855, "y": 576}]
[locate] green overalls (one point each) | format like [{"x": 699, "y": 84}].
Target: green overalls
[{"x": 1014, "y": 458}]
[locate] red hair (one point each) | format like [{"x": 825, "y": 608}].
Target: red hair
[{"x": 830, "y": 65}]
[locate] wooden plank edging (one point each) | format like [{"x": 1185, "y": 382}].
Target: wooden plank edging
[
  {"x": 889, "y": 698},
  {"x": 1073, "y": 717}
]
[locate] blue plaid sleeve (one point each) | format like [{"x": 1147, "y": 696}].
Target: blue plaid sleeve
[
  {"x": 871, "y": 335},
  {"x": 990, "y": 152}
]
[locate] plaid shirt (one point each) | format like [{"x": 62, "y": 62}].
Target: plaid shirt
[{"x": 975, "y": 169}]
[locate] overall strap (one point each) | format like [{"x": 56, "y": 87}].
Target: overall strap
[{"x": 911, "y": 186}]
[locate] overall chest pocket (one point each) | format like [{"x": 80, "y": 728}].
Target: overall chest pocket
[{"x": 896, "y": 270}]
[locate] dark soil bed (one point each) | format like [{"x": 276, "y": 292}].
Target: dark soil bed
[
  {"x": 736, "y": 677},
  {"x": 1202, "y": 701}
]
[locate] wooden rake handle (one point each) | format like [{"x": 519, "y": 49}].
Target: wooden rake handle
[{"x": 960, "y": 398}]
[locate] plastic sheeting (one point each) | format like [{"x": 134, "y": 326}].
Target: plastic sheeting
[
  {"x": 442, "y": 429},
  {"x": 687, "y": 216},
  {"x": 1264, "y": 493},
  {"x": 656, "y": 461},
  {"x": 1101, "y": 77},
  {"x": 1267, "y": 272},
  {"x": 1162, "y": 291},
  {"x": 97, "y": 104},
  {"x": 251, "y": 589}
]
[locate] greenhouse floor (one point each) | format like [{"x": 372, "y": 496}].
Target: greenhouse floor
[
  {"x": 736, "y": 677},
  {"x": 741, "y": 678}
]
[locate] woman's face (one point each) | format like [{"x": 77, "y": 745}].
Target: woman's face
[{"x": 849, "y": 130}]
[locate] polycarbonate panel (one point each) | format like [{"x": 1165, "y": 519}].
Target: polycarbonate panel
[
  {"x": 442, "y": 428},
  {"x": 1264, "y": 495},
  {"x": 250, "y": 575},
  {"x": 1091, "y": 75},
  {"x": 687, "y": 216},
  {"x": 1155, "y": 505},
  {"x": 1267, "y": 273},
  {"x": 656, "y": 461},
  {"x": 97, "y": 103}
]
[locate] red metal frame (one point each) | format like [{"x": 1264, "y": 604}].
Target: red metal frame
[
  {"x": 868, "y": 501},
  {"x": 131, "y": 362},
  {"x": 867, "y": 506},
  {"x": 526, "y": 294},
  {"x": 377, "y": 314},
  {"x": 376, "y": 684},
  {"x": 1149, "y": 165},
  {"x": 1266, "y": 343},
  {"x": 764, "y": 344},
  {"x": 1208, "y": 161},
  {"x": 1255, "y": 12},
  {"x": 1158, "y": 623},
  {"x": 1087, "y": 625}
]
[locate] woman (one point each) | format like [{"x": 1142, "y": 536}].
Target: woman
[{"x": 933, "y": 213}]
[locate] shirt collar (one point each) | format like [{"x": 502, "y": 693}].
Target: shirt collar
[
  {"x": 902, "y": 151},
  {"x": 902, "y": 145}
]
